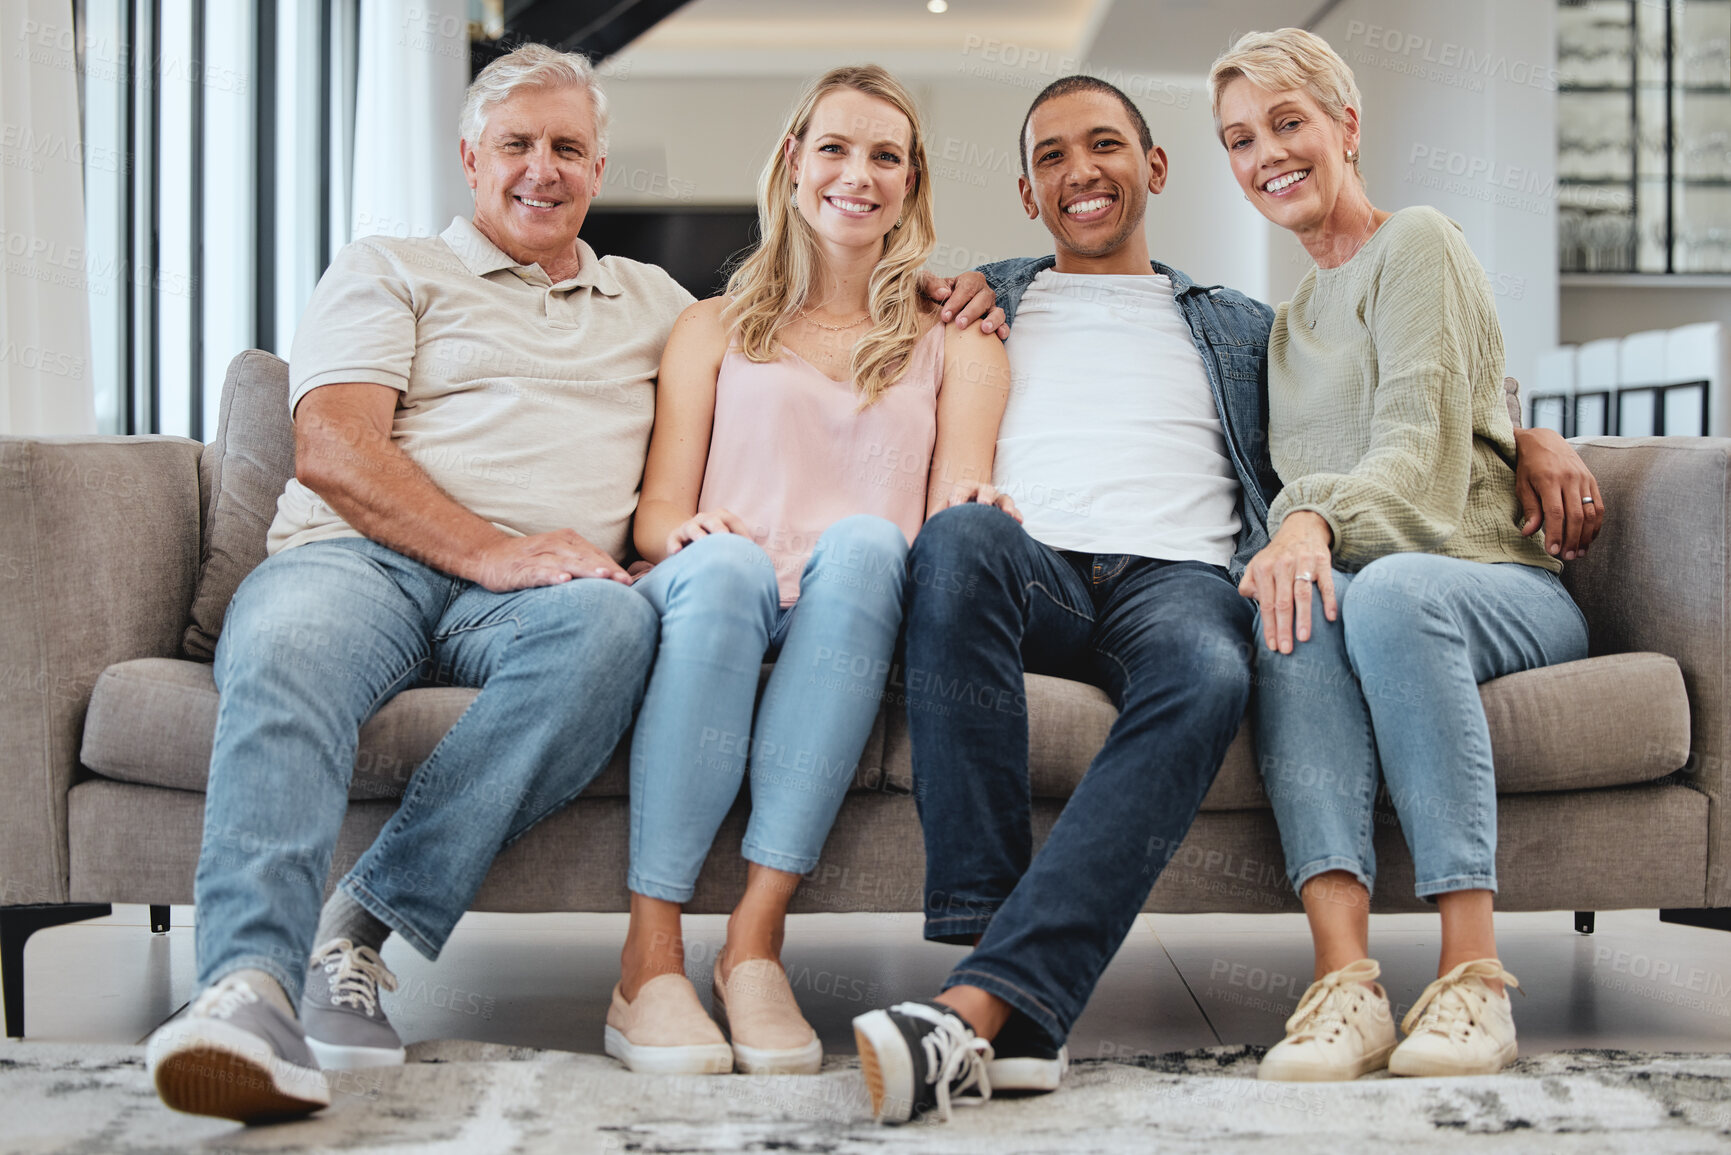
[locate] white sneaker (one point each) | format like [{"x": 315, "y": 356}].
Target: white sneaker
[
  {"x": 1459, "y": 1026},
  {"x": 1340, "y": 1031}
]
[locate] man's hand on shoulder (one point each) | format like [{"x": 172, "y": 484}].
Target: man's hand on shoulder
[
  {"x": 965, "y": 299},
  {"x": 1557, "y": 491},
  {"x": 542, "y": 559}
]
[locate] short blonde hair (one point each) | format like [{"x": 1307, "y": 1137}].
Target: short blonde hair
[
  {"x": 1281, "y": 61},
  {"x": 531, "y": 66}
]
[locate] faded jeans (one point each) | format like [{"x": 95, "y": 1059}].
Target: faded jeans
[{"x": 1392, "y": 686}]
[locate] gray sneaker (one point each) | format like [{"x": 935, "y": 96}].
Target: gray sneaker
[
  {"x": 236, "y": 1056},
  {"x": 346, "y": 1028}
]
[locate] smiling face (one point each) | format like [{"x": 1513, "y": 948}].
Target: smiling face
[
  {"x": 1089, "y": 181},
  {"x": 1289, "y": 156},
  {"x": 853, "y": 168},
  {"x": 534, "y": 172}
]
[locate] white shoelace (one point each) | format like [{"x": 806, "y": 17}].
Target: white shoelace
[
  {"x": 954, "y": 1054},
  {"x": 1448, "y": 1005},
  {"x": 356, "y": 973},
  {"x": 1320, "y": 1011},
  {"x": 223, "y": 1000}
]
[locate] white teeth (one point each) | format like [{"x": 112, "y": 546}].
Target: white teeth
[
  {"x": 1287, "y": 181},
  {"x": 536, "y": 203},
  {"x": 1089, "y": 206},
  {"x": 859, "y": 208}
]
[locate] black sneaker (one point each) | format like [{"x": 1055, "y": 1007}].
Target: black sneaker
[
  {"x": 916, "y": 1056},
  {"x": 1024, "y": 1059}
]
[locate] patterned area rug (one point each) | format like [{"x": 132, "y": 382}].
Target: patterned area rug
[{"x": 469, "y": 1097}]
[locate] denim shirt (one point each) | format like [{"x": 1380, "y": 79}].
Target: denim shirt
[{"x": 1231, "y": 334}]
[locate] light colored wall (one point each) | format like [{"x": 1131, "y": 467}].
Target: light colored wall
[
  {"x": 705, "y": 141},
  {"x": 1460, "y": 113},
  {"x": 1590, "y": 312}
]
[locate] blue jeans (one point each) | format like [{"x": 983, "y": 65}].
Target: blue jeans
[
  {"x": 317, "y": 639},
  {"x": 1168, "y": 641},
  {"x": 720, "y": 620},
  {"x": 1394, "y": 683}
]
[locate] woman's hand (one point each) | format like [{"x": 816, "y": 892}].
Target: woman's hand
[
  {"x": 704, "y": 524},
  {"x": 1558, "y": 491},
  {"x": 1282, "y": 573},
  {"x": 982, "y": 493}
]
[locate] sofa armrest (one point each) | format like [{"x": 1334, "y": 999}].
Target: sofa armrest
[
  {"x": 1659, "y": 579},
  {"x": 98, "y": 558}
]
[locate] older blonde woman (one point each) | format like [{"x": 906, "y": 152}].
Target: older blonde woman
[
  {"x": 807, "y": 421},
  {"x": 1397, "y": 577}
]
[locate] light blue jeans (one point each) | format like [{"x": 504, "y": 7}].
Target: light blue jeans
[
  {"x": 317, "y": 639},
  {"x": 720, "y": 619},
  {"x": 1394, "y": 683}
]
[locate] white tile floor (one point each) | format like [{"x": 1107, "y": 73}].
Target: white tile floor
[{"x": 1180, "y": 981}]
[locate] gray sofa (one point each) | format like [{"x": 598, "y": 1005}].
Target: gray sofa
[{"x": 118, "y": 555}]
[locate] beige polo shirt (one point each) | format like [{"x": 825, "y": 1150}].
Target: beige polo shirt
[{"x": 528, "y": 402}]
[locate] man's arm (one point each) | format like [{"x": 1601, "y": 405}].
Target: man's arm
[
  {"x": 344, "y": 453},
  {"x": 974, "y": 296}
]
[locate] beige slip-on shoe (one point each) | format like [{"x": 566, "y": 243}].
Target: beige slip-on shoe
[
  {"x": 770, "y": 1036},
  {"x": 666, "y": 1031}
]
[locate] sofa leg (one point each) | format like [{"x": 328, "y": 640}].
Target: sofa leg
[
  {"x": 17, "y": 924},
  {"x": 1584, "y": 921},
  {"x": 158, "y": 919},
  {"x": 1711, "y": 917}
]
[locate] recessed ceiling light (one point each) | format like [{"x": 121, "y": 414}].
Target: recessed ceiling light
[{"x": 936, "y": 6}]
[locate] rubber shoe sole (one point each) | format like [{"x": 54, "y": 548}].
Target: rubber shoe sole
[
  {"x": 701, "y": 1059},
  {"x": 1298, "y": 1072},
  {"x": 806, "y": 1060},
  {"x": 220, "y": 1070},
  {"x": 1034, "y": 1076},
  {"x": 1420, "y": 1066},
  {"x": 336, "y": 1057},
  {"x": 886, "y": 1065}
]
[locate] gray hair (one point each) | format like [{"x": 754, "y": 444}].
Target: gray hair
[{"x": 531, "y": 66}]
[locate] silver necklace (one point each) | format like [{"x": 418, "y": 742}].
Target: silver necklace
[{"x": 1369, "y": 227}]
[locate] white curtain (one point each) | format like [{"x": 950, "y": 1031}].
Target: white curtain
[
  {"x": 412, "y": 72},
  {"x": 45, "y": 373}
]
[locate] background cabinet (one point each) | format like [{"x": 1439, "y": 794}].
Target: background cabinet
[{"x": 1644, "y": 136}]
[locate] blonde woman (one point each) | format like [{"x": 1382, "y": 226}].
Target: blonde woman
[
  {"x": 807, "y": 422},
  {"x": 1397, "y": 576}
]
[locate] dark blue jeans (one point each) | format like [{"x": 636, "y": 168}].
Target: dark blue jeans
[{"x": 1168, "y": 641}]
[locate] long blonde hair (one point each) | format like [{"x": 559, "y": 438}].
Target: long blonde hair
[{"x": 775, "y": 281}]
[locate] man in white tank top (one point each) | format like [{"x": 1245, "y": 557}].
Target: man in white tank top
[{"x": 1135, "y": 444}]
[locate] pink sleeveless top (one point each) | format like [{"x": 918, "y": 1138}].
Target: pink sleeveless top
[{"x": 792, "y": 453}]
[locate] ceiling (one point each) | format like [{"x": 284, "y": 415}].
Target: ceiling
[{"x": 799, "y": 37}]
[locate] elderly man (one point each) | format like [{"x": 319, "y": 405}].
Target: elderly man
[{"x": 471, "y": 416}]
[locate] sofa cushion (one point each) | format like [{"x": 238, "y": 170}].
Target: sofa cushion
[
  {"x": 151, "y": 721},
  {"x": 241, "y": 474},
  {"x": 1607, "y": 721}
]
